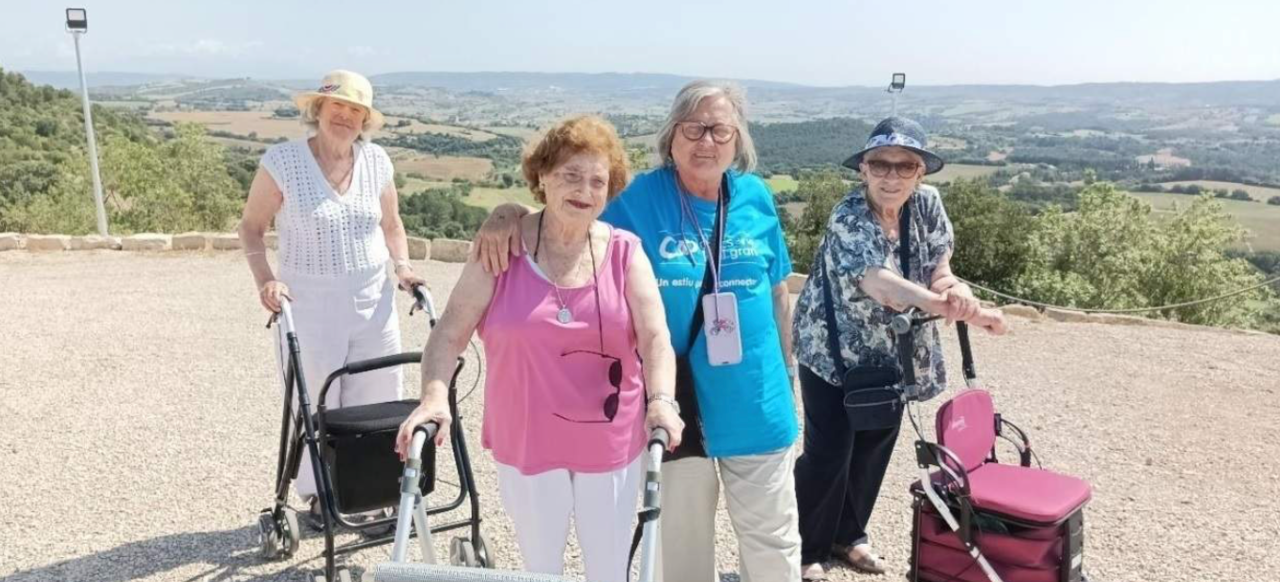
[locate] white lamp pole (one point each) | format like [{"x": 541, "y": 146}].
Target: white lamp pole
[
  {"x": 895, "y": 86},
  {"x": 77, "y": 25}
]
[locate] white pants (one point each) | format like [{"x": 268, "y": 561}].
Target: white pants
[
  {"x": 340, "y": 320},
  {"x": 603, "y": 506},
  {"x": 761, "y": 497}
]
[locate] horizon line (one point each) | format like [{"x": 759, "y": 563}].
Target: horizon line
[{"x": 641, "y": 73}]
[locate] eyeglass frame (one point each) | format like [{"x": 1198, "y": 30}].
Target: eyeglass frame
[
  {"x": 704, "y": 129},
  {"x": 894, "y": 167}
]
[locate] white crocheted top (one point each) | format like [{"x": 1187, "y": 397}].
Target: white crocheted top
[{"x": 324, "y": 233}]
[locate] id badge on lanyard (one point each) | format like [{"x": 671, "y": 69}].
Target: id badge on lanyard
[{"x": 720, "y": 325}]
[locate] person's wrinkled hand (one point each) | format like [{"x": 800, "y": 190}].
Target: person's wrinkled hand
[
  {"x": 498, "y": 239},
  {"x": 409, "y": 280},
  {"x": 271, "y": 293},
  {"x": 964, "y": 306},
  {"x": 434, "y": 410},
  {"x": 662, "y": 415},
  {"x": 993, "y": 321}
]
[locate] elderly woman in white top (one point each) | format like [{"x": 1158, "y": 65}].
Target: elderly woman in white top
[{"x": 333, "y": 198}]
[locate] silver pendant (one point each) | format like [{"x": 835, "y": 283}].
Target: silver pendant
[{"x": 564, "y": 316}]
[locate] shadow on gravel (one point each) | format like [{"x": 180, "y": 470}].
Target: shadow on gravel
[{"x": 219, "y": 554}]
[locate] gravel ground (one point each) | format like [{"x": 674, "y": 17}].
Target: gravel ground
[{"x": 139, "y": 411}]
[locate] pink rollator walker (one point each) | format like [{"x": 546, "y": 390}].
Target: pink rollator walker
[{"x": 1016, "y": 523}]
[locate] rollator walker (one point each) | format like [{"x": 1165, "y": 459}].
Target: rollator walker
[
  {"x": 354, "y": 462},
  {"x": 976, "y": 519}
]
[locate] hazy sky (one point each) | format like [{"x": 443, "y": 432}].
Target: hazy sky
[{"x": 826, "y": 42}]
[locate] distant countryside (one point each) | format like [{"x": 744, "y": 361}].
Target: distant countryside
[{"x": 178, "y": 154}]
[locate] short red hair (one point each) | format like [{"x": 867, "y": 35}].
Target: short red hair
[{"x": 577, "y": 135}]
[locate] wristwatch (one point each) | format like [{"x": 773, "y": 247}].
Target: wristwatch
[{"x": 667, "y": 399}]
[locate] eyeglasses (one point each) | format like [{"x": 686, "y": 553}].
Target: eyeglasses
[
  {"x": 721, "y": 133},
  {"x": 575, "y": 178},
  {"x": 611, "y": 402},
  {"x": 880, "y": 168}
]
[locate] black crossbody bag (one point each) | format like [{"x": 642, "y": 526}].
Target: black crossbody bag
[
  {"x": 692, "y": 444},
  {"x": 872, "y": 394}
]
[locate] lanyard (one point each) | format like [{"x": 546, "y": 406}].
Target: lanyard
[{"x": 712, "y": 265}]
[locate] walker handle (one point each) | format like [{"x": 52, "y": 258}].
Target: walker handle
[{"x": 422, "y": 301}]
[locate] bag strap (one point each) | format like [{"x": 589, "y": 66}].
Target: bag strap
[{"x": 904, "y": 262}]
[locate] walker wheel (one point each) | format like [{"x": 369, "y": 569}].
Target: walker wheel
[
  {"x": 462, "y": 553},
  {"x": 290, "y": 531},
  {"x": 483, "y": 557},
  {"x": 269, "y": 539}
]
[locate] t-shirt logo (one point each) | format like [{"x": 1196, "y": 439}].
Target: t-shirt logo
[{"x": 672, "y": 248}]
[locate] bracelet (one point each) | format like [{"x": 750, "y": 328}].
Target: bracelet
[
  {"x": 250, "y": 254},
  {"x": 667, "y": 399},
  {"x": 403, "y": 263}
]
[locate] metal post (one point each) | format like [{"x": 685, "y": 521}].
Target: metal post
[
  {"x": 895, "y": 104},
  {"x": 93, "y": 147}
]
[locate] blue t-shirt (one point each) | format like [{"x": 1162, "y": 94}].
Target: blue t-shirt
[{"x": 746, "y": 408}]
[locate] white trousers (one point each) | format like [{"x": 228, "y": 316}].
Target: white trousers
[
  {"x": 340, "y": 320},
  {"x": 603, "y": 507},
  {"x": 761, "y": 497}
]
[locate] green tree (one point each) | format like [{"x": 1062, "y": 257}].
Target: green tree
[
  {"x": 638, "y": 156},
  {"x": 820, "y": 191},
  {"x": 992, "y": 233},
  {"x": 1111, "y": 253}
]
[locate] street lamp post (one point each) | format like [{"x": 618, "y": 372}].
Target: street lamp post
[
  {"x": 895, "y": 86},
  {"x": 77, "y": 25}
]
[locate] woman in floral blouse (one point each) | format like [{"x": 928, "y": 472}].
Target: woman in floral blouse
[{"x": 858, "y": 264}]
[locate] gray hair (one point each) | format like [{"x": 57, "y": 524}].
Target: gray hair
[
  {"x": 310, "y": 117},
  {"x": 688, "y": 100}
]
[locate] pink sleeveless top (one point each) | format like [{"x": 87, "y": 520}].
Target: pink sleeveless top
[{"x": 546, "y": 385}]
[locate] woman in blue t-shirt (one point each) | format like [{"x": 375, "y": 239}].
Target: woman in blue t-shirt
[{"x": 712, "y": 233}]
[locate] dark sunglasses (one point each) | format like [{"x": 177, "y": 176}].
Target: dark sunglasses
[
  {"x": 615, "y": 379},
  {"x": 720, "y": 133},
  {"x": 880, "y": 168}
]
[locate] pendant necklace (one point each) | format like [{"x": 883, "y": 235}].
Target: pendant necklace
[{"x": 564, "y": 316}]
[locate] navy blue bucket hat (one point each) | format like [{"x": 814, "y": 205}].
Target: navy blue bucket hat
[{"x": 898, "y": 132}]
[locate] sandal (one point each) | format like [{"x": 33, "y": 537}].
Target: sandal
[{"x": 866, "y": 563}]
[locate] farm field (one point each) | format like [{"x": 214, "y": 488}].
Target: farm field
[
  {"x": 1259, "y": 193},
  {"x": 440, "y": 168},
  {"x": 242, "y": 123},
  {"x": 489, "y": 198},
  {"x": 956, "y": 171}
]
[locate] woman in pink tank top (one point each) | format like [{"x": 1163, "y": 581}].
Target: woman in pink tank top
[{"x": 579, "y": 359}]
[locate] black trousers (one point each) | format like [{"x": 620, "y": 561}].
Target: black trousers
[{"x": 839, "y": 474}]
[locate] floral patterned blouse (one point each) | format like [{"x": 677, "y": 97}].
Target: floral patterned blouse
[{"x": 854, "y": 242}]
